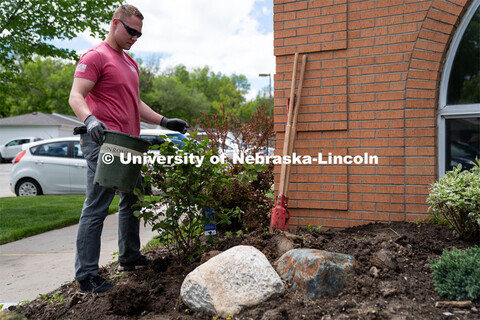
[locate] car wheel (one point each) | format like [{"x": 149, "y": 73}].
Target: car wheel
[
  {"x": 28, "y": 187},
  {"x": 1, "y": 159}
]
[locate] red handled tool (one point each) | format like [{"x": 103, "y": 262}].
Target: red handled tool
[{"x": 280, "y": 215}]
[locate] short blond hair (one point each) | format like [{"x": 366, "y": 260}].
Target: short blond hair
[{"x": 127, "y": 10}]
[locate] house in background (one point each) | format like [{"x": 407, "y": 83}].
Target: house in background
[
  {"x": 43, "y": 125},
  {"x": 399, "y": 79},
  {"x": 37, "y": 124}
]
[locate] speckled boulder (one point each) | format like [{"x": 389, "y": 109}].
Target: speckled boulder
[
  {"x": 237, "y": 278},
  {"x": 315, "y": 273}
]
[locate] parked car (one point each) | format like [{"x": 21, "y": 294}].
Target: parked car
[
  {"x": 57, "y": 166},
  {"x": 11, "y": 148},
  {"x": 53, "y": 166},
  {"x": 152, "y": 136}
]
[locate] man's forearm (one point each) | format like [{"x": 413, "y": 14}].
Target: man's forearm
[
  {"x": 147, "y": 113},
  {"x": 79, "y": 106}
]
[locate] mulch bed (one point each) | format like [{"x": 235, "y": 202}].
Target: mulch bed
[{"x": 403, "y": 291}]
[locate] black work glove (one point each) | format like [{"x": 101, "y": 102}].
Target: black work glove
[
  {"x": 95, "y": 128},
  {"x": 175, "y": 124}
]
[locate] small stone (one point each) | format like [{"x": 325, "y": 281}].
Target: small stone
[
  {"x": 389, "y": 292},
  {"x": 282, "y": 244},
  {"x": 384, "y": 259},
  {"x": 374, "y": 272},
  {"x": 208, "y": 255}
]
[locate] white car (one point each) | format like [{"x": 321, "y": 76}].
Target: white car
[
  {"x": 57, "y": 166},
  {"x": 11, "y": 148},
  {"x": 53, "y": 166}
]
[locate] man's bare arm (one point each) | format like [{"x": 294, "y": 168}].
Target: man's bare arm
[{"x": 80, "y": 88}]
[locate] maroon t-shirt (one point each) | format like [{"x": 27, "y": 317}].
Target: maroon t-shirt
[{"x": 115, "y": 96}]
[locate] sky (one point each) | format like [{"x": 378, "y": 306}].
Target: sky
[{"x": 229, "y": 36}]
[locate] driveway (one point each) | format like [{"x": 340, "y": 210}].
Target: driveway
[
  {"x": 5, "y": 169},
  {"x": 42, "y": 263}
]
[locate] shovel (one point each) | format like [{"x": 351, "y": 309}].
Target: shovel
[{"x": 280, "y": 215}]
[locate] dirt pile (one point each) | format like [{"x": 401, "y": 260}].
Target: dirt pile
[{"x": 392, "y": 281}]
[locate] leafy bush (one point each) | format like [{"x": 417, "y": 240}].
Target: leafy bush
[
  {"x": 456, "y": 198},
  {"x": 255, "y": 197},
  {"x": 251, "y": 197},
  {"x": 185, "y": 189},
  {"x": 457, "y": 274}
]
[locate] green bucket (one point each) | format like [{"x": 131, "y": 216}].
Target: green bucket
[{"x": 120, "y": 161}]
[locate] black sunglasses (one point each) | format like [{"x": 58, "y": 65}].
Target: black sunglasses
[{"x": 131, "y": 31}]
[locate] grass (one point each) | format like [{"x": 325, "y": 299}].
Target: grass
[{"x": 21, "y": 217}]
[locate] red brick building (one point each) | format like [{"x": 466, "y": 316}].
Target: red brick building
[{"x": 383, "y": 77}]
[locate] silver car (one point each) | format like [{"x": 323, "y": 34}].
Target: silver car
[
  {"x": 12, "y": 147},
  {"x": 53, "y": 166}
]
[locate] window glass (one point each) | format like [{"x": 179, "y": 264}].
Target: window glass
[
  {"x": 464, "y": 82},
  {"x": 12, "y": 143},
  {"x": 177, "y": 139},
  {"x": 77, "y": 150},
  {"x": 463, "y": 142},
  {"x": 153, "y": 139},
  {"x": 54, "y": 149}
]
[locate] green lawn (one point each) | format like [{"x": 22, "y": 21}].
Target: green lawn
[{"x": 21, "y": 217}]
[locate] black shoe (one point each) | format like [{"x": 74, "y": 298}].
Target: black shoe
[
  {"x": 95, "y": 284},
  {"x": 130, "y": 266}
]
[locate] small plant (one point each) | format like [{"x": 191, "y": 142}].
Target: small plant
[
  {"x": 115, "y": 255},
  {"x": 457, "y": 274},
  {"x": 56, "y": 298},
  {"x": 456, "y": 199},
  {"x": 117, "y": 275},
  {"x": 186, "y": 187},
  {"x": 8, "y": 315}
]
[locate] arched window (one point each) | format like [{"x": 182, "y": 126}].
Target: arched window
[{"x": 459, "y": 110}]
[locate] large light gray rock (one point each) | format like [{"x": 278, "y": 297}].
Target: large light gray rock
[
  {"x": 316, "y": 273},
  {"x": 239, "y": 277}
]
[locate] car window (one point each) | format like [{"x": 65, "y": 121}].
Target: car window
[
  {"x": 13, "y": 143},
  {"x": 153, "y": 139},
  {"x": 53, "y": 149},
  {"x": 17, "y": 142},
  {"x": 77, "y": 150},
  {"x": 177, "y": 139}
]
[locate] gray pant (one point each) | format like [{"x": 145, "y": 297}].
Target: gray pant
[{"x": 94, "y": 212}]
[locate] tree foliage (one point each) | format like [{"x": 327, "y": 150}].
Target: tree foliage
[
  {"x": 48, "y": 94},
  {"x": 27, "y": 28},
  {"x": 219, "y": 89},
  {"x": 181, "y": 94}
]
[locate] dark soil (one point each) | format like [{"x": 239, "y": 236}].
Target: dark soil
[{"x": 402, "y": 290}]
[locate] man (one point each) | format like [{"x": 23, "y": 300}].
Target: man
[{"x": 105, "y": 94}]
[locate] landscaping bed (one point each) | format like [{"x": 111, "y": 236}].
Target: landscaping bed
[{"x": 402, "y": 291}]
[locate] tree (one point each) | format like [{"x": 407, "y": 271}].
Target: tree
[
  {"x": 219, "y": 89},
  {"x": 171, "y": 98},
  {"x": 27, "y": 27},
  {"x": 49, "y": 94}
]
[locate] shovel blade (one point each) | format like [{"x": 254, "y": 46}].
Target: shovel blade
[{"x": 280, "y": 215}]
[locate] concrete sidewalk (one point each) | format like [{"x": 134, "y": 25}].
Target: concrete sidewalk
[{"x": 42, "y": 263}]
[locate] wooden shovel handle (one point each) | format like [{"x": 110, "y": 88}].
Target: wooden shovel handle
[
  {"x": 281, "y": 188},
  {"x": 293, "y": 130}
]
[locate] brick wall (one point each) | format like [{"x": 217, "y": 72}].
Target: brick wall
[{"x": 371, "y": 85}]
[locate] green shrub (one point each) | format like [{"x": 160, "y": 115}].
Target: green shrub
[
  {"x": 255, "y": 198},
  {"x": 185, "y": 189},
  {"x": 456, "y": 198},
  {"x": 457, "y": 274}
]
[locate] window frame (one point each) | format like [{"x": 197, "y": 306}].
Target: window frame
[{"x": 453, "y": 111}]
